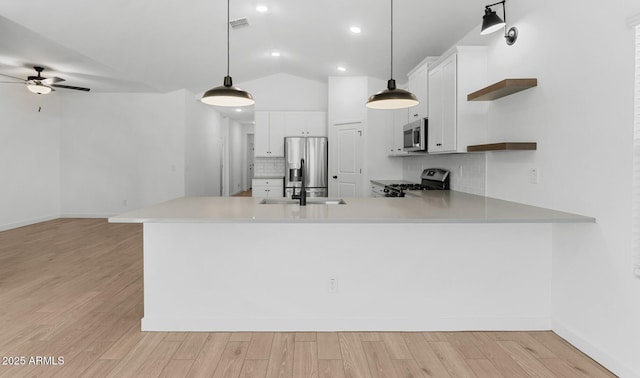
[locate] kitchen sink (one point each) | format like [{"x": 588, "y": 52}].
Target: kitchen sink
[{"x": 310, "y": 201}]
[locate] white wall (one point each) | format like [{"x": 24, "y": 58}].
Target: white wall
[
  {"x": 287, "y": 92},
  {"x": 203, "y": 148},
  {"x": 29, "y": 157},
  {"x": 581, "y": 116},
  {"x": 121, "y": 147}
]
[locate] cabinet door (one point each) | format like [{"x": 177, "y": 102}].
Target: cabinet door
[
  {"x": 260, "y": 191},
  {"x": 274, "y": 191},
  {"x": 449, "y": 108},
  {"x": 295, "y": 124},
  {"x": 277, "y": 127},
  {"x": 419, "y": 86},
  {"x": 261, "y": 134},
  {"x": 316, "y": 124},
  {"x": 434, "y": 131},
  {"x": 396, "y": 139}
]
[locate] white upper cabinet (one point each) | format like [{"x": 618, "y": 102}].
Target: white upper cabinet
[
  {"x": 261, "y": 134},
  {"x": 419, "y": 86},
  {"x": 276, "y": 133},
  {"x": 272, "y": 127},
  {"x": 306, "y": 124},
  {"x": 396, "y": 140},
  {"x": 269, "y": 134},
  {"x": 454, "y": 122}
]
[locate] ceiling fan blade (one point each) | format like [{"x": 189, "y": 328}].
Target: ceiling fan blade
[
  {"x": 13, "y": 77},
  {"x": 12, "y": 82},
  {"x": 52, "y": 80},
  {"x": 70, "y": 87}
]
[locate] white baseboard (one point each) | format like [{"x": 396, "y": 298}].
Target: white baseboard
[
  {"x": 27, "y": 222},
  {"x": 85, "y": 215},
  {"x": 345, "y": 325},
  {"x": 605, "y": 359}
]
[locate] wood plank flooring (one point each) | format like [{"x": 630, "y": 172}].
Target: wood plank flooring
[
  {"x": 246, "y": 193},
  {"x": 72, "y": 289}
]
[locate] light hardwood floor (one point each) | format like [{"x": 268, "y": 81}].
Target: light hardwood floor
[
  {"x": 72, "y": 288},
  {"x": 246, "y": 193}
]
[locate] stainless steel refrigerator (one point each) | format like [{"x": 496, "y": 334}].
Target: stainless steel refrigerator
[{"x": 315, "y": 152}]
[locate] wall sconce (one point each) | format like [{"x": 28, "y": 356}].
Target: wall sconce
[{"x": 492, "y": 22}]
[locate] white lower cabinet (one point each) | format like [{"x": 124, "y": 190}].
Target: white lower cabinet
[
  {"x": 267, "y": 188},
  {"x": 377, "y": 190}
]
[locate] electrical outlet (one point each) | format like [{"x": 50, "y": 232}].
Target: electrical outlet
[
  {"x": 332, "y": 285},
  {"x": 534, "y": 175}
]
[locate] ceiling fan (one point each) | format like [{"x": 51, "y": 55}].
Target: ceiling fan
[{"x": 39, "y": 84}]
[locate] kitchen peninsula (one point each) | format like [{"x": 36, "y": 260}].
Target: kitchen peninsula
[{"x": 442, "y": 260}]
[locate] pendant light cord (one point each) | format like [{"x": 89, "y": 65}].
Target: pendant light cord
[{"x": 391, "y": 40}]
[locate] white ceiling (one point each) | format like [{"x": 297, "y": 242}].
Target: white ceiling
[{"x": 145, "y": 45}]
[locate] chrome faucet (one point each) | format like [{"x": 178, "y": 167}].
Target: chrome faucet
[{"x": 303, "y": 191}]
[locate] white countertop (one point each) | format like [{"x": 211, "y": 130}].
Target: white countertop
[{"x": 435, "y": 206}]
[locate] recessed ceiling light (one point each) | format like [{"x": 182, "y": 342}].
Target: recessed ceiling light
[
  {"x": 355, "y": 29},
  {"x": 262, "y": 8},
  {"x": 341, "y": 69},
  {"x": 275, "y": 53},
  {"x": 238, "y": 110}
]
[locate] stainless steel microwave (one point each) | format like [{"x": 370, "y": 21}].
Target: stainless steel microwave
[{"x": 415, "y": 135}]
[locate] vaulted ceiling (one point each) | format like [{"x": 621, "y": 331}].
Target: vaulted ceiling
[{"x": 144, "y": 45}]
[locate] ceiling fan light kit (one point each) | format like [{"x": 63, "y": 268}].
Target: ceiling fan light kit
[
  {"x": 38, "y": 88},
  {"x": 42, "y": 85},
  {"x": 227, "y": 95},
  {"x": 392, "y": 97},
  {"x": 491, "y": 22}
]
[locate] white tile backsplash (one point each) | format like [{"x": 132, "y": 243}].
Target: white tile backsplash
[
  {"x": 268, "y": 166},
  {"x": 468, "y": 171}
]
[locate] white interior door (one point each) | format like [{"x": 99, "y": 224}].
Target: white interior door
[{"x": 346, "y": 156}]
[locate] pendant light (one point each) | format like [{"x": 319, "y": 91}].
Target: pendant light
[
  {"x": 227, "y": 94},
  {"x": 392, "y": 97}
]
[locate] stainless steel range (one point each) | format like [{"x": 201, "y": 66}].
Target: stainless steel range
[{"x": 430, "y": 179}]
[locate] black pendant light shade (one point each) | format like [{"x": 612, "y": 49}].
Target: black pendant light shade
[
  {"x": 226, "y": 94},
  {"x": 392, "y": 97},
  {"x": 491, "y": 22}
]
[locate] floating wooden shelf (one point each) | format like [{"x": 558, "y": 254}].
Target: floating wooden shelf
[
  {"x": 501, "y": 89},
  {"x": 504, "y": 146}
]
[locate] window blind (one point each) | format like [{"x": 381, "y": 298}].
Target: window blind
[{"x": 636, "y": 162}]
